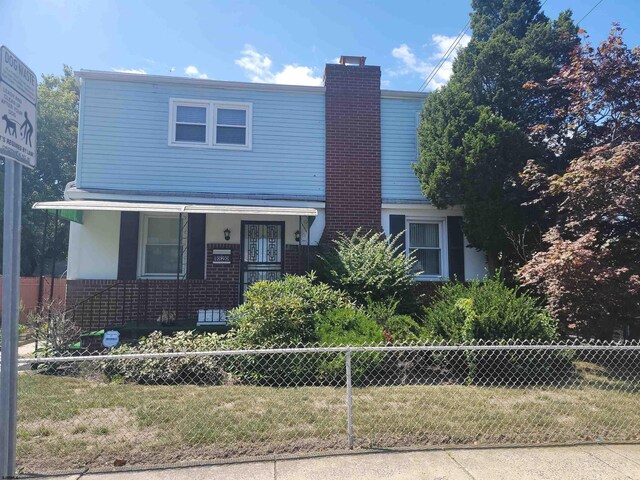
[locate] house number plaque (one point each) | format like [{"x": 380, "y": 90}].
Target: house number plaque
[{"x": 221, "y": 256}]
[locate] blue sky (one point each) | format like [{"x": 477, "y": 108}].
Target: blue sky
[{"x": 282, "y": 41}]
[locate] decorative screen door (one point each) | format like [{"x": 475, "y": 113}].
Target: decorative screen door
[{"x": 262, "y": 252}]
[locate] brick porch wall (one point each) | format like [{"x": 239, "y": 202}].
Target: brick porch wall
[
  {"x": 115, "y": 303},
  {"x": 110, "y": 303},
  {"x": 225, "y": 278}
]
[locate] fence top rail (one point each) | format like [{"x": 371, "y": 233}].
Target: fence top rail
[{"x": 341, "y": 349}]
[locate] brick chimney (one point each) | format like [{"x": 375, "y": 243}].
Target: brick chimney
[{"x": 353, "y": 170}]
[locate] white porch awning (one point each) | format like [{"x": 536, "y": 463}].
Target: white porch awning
[{"x": 108, "y": 206}]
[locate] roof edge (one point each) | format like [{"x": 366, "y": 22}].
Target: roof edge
[
  {"x": 194, "y": 82},
  {"x": 231, "y": 85}
]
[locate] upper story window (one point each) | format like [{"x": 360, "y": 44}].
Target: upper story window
[
  {"x": 425, "y": 240},
  {"x": 231, "y": 126},
  {"x": 214, "y": 124},
  {"x": 191, "y": 123}
]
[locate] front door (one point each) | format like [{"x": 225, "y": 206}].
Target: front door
[{"x": 262, "y": 252}]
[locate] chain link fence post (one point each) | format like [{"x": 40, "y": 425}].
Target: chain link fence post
[{"x": 347, "y": 357}]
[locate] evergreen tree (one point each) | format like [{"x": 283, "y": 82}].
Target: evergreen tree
[{"x": 475, "y": 132}]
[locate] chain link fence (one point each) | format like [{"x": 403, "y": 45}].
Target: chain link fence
[{"x": 109, "y": 411}]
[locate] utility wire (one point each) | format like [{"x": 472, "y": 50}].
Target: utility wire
[
  {"x": 444, "y": 58},
  {"x": 587, "y": 14}
]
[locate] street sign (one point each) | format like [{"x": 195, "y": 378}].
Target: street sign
[{"x": 18, "y": 91}]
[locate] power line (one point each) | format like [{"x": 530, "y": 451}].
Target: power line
[
  {"x": 444, "y": 58},
  {"x": 587, "y": 14}
]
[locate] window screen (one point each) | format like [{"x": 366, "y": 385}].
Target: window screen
[
  {"x": 191, "y": 124},
  {"x": 161, "y": 246},
  {"x": 424, "y": 246},
  {"x": 231, "y": 126}
]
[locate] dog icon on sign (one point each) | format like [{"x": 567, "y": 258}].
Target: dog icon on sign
[{"x": 10, "y": 126}]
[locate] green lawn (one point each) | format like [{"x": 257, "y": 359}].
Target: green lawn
[{"x": 71, "y": 423}]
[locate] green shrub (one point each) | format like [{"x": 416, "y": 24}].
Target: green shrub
[
  {"x": 352, "y": 327},
  {"x": 347, "y": 326},
  {"x": 279, "y": 314},
  {"x": 283, "y": 312},
  {"x": 381, "y": 311},
  {"x": 404, "y": 330},
  {"x": 492, "y": 311},
  {"x": 488, "y": 310},
  {"x": 338, "y": 326},
  {"x": 205, "y": 370},
  {"x": 370, "y": 267}
]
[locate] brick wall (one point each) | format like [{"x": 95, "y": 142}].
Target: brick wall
[
  {"x": 225, "y": 278},
  {"x": 353, "y": 163},
  {"x": 297, "y": 258},
  {"x": 107, "y": 303},
  {"x": 111, "y": 303}
]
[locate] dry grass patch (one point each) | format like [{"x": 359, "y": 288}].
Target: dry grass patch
[{"x": 72, "y": 423}]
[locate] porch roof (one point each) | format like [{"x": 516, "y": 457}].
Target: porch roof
[{"x": 108, "y": 206}]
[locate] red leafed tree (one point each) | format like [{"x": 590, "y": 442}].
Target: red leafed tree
[
  {"x": 589, "y": 270},
  {"x": 597, "y": 97}
]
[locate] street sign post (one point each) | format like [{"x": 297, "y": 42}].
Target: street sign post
[{"x": 18, "y": 90}]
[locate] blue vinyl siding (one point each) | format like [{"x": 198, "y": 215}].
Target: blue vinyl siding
[
  {"x": 398, "y": 129},
  {"x": 124, "y": 143}
]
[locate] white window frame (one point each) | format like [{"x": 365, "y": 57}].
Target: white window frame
[
  {"x": 142, "y": 243},
  {"x": 442, "y": 237},
  {"x": 173, "y": 117},
  {"x": 212, "y": 109}
]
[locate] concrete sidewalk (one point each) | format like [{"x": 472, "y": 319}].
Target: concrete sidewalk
[{"x": 610, "y": 462}]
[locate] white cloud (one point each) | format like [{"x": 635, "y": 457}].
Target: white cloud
[
  {"x": 139, "y": 71},
  {"x": 192, "y": 71},
  {"x": 411, "y": 64},
  {"x": 297, "y": 75},
  {"x": 258, "y": 67}
]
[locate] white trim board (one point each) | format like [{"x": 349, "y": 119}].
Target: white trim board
[
  {"x": 73, "y": 193},
  {"x": 106, "y": 206}
]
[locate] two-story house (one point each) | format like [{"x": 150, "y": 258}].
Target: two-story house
[{"x": 189, "y": 190}]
